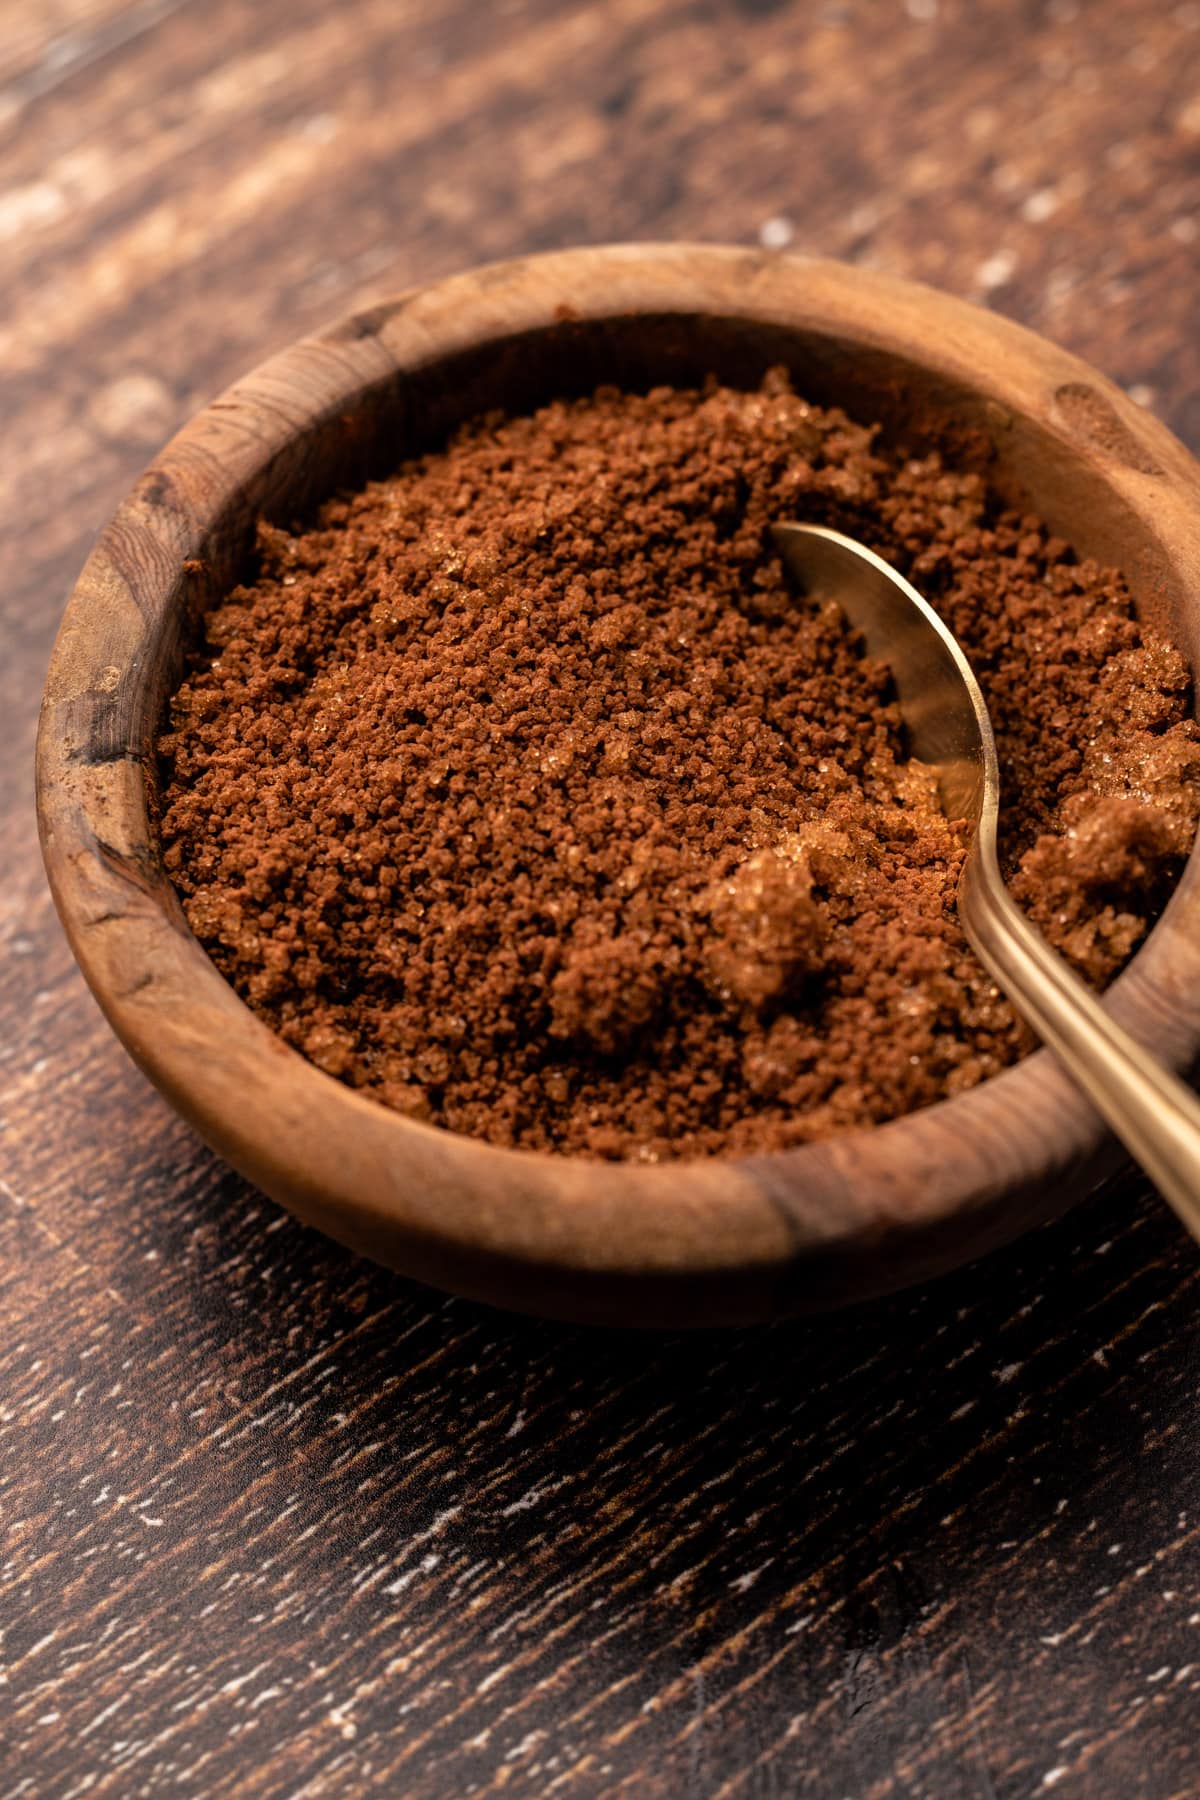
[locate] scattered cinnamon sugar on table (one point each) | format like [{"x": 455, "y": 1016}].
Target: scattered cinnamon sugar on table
[{"x": 522, "y": 793}]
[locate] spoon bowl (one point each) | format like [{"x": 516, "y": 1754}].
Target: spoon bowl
[{"x": 945, "y": 714}]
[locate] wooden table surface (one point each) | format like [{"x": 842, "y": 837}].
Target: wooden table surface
[{"x": 277, "y": 1523}]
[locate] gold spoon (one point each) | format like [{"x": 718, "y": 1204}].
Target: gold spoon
[{"x": 1154, "y": 1114}]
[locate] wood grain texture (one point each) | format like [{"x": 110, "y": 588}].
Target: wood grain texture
[{"x": 945, "y": 1547}]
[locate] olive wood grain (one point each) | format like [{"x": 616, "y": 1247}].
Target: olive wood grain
[{"x": 691, "y": 1242}]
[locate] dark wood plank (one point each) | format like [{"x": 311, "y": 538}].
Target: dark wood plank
[{"x": 276, "y": 1522}]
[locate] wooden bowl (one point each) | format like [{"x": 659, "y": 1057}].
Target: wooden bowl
[{"x": 695, "y": 1242}]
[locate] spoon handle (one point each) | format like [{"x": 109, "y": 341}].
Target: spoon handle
[{"x": 1155, "y": 1115}]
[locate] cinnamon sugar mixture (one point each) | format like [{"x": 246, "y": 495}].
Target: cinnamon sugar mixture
[{"x": 521, "y": 792}]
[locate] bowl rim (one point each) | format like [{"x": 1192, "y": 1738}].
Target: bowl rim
[{"x": 691, "y": 1241}]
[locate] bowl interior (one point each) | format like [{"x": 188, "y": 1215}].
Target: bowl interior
[{"x": 917, "y": 407}]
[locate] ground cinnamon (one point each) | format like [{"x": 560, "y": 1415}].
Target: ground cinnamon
[{"x": 520, "y": 791}]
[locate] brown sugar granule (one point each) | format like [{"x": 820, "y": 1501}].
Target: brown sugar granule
[{"x": 521, "y": 792}]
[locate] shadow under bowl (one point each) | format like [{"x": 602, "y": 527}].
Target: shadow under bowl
[{"x": 693, "y": 1242}]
